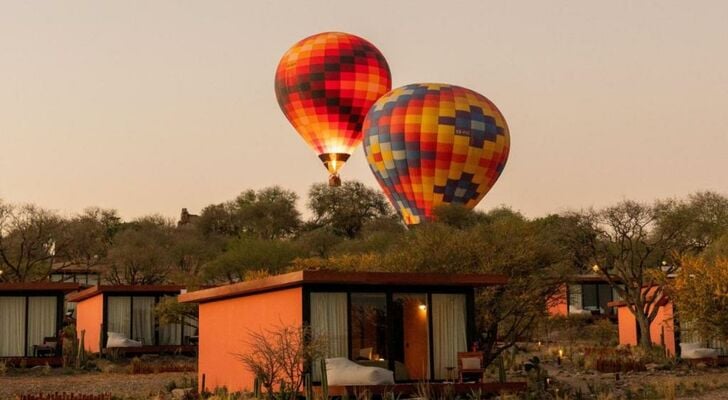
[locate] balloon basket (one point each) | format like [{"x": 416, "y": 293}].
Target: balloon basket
[{"x": 334, "y": 180}]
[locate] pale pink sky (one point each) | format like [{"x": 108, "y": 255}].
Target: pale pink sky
[{"x": 150, "y": 106}]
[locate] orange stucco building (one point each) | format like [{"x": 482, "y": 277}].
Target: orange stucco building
[
  {"x": 126, "y": 310},
  {"x": 662, "y": 330},
  {"x": 583, "y": 294},
  {"x": 410, "y": 323}
]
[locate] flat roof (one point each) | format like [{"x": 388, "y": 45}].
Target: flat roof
[
  {"x": 63, "y": 287},
  {"x": 300, "y": 278},
  {"x": 99, "y": 289}
]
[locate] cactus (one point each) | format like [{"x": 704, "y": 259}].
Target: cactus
[
  {"x": 308, "y": 387},
  {"x": 324, "y": 381},
  {"x": 501, "y": 370},
  {"x": 81, "y": 352},
  {"x": 256, "y": 388}
]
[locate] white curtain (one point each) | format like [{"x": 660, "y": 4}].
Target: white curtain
[
  {"x": 12, "y": 326},
  {"x": 41, "y": 320},
  {"x": 118, "y": 315},
  {"x": 448, "y": 331},
  {"x": 143, "y": 315},
  {"x": 329, "y": 319}
]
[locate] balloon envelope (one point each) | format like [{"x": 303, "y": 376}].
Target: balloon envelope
[
  {"x": 429, "y": 144},
  {"x": 325, "y": 84}
]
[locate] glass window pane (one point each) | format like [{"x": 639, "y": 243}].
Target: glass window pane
[
  {"x": 411, "y": 337},
  {"x": 143, "y": 315},
  {"x": 119, "y": 315},
  {"x": 369, "y": 329},
  {"x": 449, "y": 334},
  {"x": 605, "y": 296},
  {"x": 589, "y": 296},
  {"x": 12, "y": 326},
  {"x": 41, "y": 320},
  {"x": 329, "y": 319},
  {"x": 575, "y": 298}
]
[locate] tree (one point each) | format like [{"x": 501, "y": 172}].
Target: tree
[
  {"x": 347, "y": 208},
  {"x": 250, "y": 255},
  {"x": 701, "y": 294},
  {"x": 140, "y": 254},
  {"x": 170, "y": 311},
  {"x": 269, "y": 213},
  {"x": 633, "y": 247},
  {"x": 31, "y": 241},
  {"x": 90, "y": 234}
]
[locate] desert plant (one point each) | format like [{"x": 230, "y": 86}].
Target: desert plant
[{"x": 280, "y": 354}]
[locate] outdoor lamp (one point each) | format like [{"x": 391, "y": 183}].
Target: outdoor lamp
[{"x": 595, "y": 268}]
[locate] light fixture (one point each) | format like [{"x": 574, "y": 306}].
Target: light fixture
[
  {"x": 423, "y": 307},
  {"x": 595, "y": 268}
]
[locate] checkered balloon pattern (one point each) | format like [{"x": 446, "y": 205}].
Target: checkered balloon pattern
[
  {"x": 325, "y": 84},
  {"x": 430, "y": 144}
]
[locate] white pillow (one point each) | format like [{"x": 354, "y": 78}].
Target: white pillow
[
  {"x": 471, "y": 362},
  {"x": 343, "y": 372}
]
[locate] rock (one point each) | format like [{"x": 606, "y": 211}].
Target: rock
[
  {"x": 651, "y": 366},
  {"x": 180, "y": 394}
]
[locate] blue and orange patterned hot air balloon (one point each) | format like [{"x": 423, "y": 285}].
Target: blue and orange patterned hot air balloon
[
  {"x": 432, "y": 143},
  {"x": 325, "y": 84}
]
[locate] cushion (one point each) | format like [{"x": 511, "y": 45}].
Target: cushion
[
  {"x": 471, "y": 362},
  {"x": 342, "y": 371},
  {"x": 366, "y": 353},
  {"x": 695, "y": 350},
  {"x": 115, "y": 339}
]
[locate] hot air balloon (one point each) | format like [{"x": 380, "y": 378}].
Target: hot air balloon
[
  {"x": 325, "y": 84},
  {"x": 430, "y": 143}
]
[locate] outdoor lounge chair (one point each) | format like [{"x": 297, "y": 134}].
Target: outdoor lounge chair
[
  {"x": 470, "y": 364},
  {"x": 47, "y": 349}
]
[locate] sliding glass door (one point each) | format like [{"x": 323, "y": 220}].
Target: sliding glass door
[
  {"x": 25, "y": 322},
  {"x": 416, "y": 335}
]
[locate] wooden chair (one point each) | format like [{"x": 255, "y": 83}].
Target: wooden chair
[
  {"x": 47, "y": 349},
  {"x": 469, "y": 367}
]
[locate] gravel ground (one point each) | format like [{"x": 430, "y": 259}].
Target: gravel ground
[{"x": 115, "y": 383}]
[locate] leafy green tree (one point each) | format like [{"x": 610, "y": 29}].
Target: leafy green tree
[
  {"x": 250, "y": 255},
  {"x": 347, "y": 208},
  {"x": 701, "y": 293},
  {"x": 268, "y": 213},
  {"x": 90, "y": 235},
  {"x": 140, "y": 254}
]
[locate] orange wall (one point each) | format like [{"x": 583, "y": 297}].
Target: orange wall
[
  {"x": 557, "y": 305},
  {"x": 663, "y": 320},
  {"x": 627, "y": 326},
  {"x": 224, "y": 329},
  {"x": 416, "y": 345},
  {"x": 89, "y": 316}
]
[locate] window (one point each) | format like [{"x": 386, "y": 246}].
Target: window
[
  {"x": 369, "y": 328},
  {"x": 38, "y": 313},
  {"x": 133, "y": 317},
  {"x": 448, "y": 332}
]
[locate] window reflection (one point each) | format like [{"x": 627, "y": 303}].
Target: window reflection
[{"x": 369, "y": 328}]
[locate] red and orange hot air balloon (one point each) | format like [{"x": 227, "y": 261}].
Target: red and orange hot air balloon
[
  {"x": 325, "y": 84},
  {"x": 430, "y": 143}
]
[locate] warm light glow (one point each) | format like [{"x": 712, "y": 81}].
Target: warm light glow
[
  {"x": 423, "y": 307},
  {"x": 561, "y": 353},
  {"x": 595, "y": 268}
]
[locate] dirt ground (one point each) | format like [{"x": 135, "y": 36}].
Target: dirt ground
[{"x": 118, "y": 384}]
